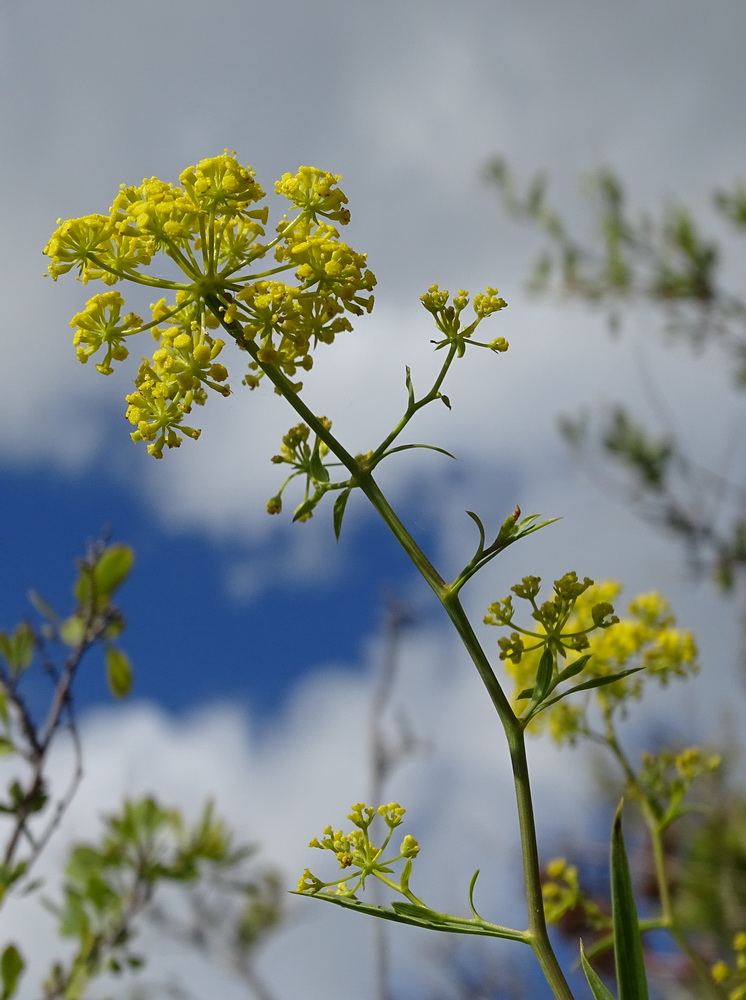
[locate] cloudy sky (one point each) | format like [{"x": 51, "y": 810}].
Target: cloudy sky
[{"x": 256, "y": 642}]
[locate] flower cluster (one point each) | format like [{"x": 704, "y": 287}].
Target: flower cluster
[
  {"x": 616, "y": 660},
  {"x": 305, "y": 460},
  {"x": 448, "y": 317},
  {"x": 733, "y": 978},
  {"x": 564, "y": 898},
  {"x": 355, "y": 850},
  {"x": 665, "y": 778},
  {"x": 230, "y": 274}
]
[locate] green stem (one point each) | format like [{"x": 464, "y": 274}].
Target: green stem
[
  {"x": 413, "y": 407},
  {"x": 537, "y": 935}
]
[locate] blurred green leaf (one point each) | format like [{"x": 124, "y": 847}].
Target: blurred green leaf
[
  {"x": 72, "y": 630},
  {"x": 9, "y": 875},
  {"x": 11, "y": 967},
  {"x": 113, "y": 568},
  {"x": 18, "y": 649},
  {"x": 44, "y": 609},
  {"x": 118, "y": 672}
]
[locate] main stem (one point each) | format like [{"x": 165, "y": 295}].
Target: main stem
[{"x": 362, "y": 478}]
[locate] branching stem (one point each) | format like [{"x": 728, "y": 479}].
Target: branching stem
[{"x": 537, "y": 934}]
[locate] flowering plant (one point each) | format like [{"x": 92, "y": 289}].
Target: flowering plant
[{"x": 277, "y": 294}]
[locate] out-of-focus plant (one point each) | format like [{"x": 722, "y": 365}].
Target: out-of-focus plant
[
  {"x": 109, "y": 885},
  {"x": 668, "y": 262}
]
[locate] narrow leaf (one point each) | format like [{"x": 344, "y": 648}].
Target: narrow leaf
[
  {"x": 44, "y": 609},
  {"x": 419, "y": 912},
  {"x": 594, "y": 682},
  {"x": 573, "y": 668},
  {"x": 630, "y": 968},
  {"x": 406, "y": 872},
  {"x": 426, "y": 918},
  {"x": 339, "y": 510},
  {"x": 410, "y": 387},
  {"x": 472, "y": 885},
  {"x": 544, "y": 674},
  {"x": 598, "y": 989},
  {"x": 430, "y": 447},
  {"x": 118, "y": 672},
  {"x": 480, "y": 526}
]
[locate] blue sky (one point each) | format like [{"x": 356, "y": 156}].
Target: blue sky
[{"x": 256, "y": 642}]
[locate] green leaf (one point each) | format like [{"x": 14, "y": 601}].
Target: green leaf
[
  {"x": 11, "y": 967},
  {"x": 408, "y": 447},
  {"x": 419, "y": 913},
  {"x": 410, "y": 387},
  {"x": 406, "y": 872},
  {"x": 594, "y": 682},
  {"x": 630, "y": 968},
  {"x": 472, "y": 885},
  {"x": 118, "y": 672},
  {"x": 480, "y": 526},
  {"x": 544, "y": 674},
  {"x": 598, "y": 989},
  {"x": 407, "y": 913},
  {"x": 307, "y": 506},
  {"x": 6, "y": 746},
  {"x": 339, "y": 510},
  {"x": 83, "y": 586},
  {"x": 317, "y": 470},
  {"x": 573, "y": 668},
  {"x": 10, "y": 874},
  {"x": 21, "y": 648},
  {"x": 18, "y": 649},
  {"x": 112, "y": 568}
]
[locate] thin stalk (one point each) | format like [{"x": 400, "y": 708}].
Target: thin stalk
[
  {"x": 670, "y": 920},
  {"x": 418, "y": 404}
]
